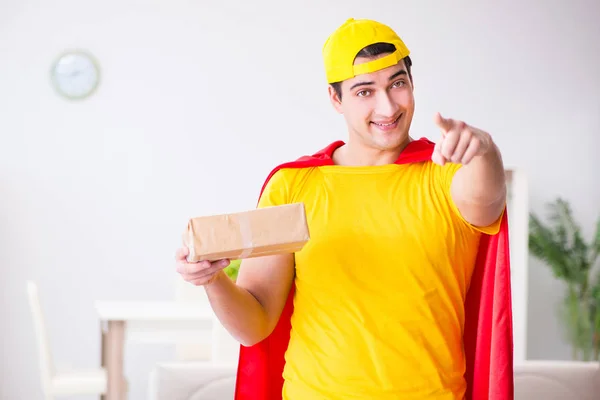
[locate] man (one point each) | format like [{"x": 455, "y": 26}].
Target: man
[{"x": 379, "y": 291}]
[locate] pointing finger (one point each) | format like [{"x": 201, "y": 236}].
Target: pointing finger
[{"x": 445, "y": 124}]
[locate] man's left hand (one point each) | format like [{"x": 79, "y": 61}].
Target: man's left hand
[{"x": 460, "y": 142}]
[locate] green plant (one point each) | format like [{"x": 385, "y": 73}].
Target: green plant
[
  {"x": 560, "y": 244},
  {"x": 232, "y": 269}
]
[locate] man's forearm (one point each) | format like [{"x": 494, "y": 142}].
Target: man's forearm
[
  {"x": 239, "y": 311},
  {"x": 482, "y": 181},
  {"x": 479, "y": 187}
]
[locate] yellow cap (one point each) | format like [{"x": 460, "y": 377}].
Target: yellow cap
[{"x": 343, "y": 45}]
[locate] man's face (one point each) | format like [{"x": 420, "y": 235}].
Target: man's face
[{"x": 378, "y": 107}]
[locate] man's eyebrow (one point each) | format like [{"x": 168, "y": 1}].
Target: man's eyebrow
[
  {"x": 361, "y": 84},
  {"x": 394, "y": 76},
  {"x": 397, "y": 74}
]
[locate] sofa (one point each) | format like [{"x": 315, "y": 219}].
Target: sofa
[
  {"x": 557, "y": 380},
  {"x": 544, "y": 380},
  {"x": 192, "y": 381}
]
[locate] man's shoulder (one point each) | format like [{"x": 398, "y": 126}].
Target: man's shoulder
[
  {"x": 303, "y": 164},
  {"x": 283, "y": 182},
  {"x": 288, "y": 176}
]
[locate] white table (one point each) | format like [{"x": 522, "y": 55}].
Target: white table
[{"x": 150, "y": 322}]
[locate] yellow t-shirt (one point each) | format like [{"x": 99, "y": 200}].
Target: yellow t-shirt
[{"x": 380, "y": 286}]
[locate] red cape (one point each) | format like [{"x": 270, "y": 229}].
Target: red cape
[{"x": 488, "y": 319}]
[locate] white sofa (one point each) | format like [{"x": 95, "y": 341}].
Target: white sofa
[
  {"x": 557, "y": 380},
  {"x": 543, "y": 380},
  {"x": 192, "y": 381}
]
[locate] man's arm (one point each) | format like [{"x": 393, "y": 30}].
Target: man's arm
[
  {"x": 479, "y": 187},
  {"x": 250, "y": 308}
]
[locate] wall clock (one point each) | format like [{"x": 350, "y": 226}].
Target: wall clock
[{"x": 75, "y": 74}]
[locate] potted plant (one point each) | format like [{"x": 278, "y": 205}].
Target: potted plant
[{"x": 560, "y": 244}]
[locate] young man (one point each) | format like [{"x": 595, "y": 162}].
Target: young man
[{"x": 380, "y": 291}]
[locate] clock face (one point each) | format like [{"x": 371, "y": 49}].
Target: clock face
[{"x": 75, "y": 75}]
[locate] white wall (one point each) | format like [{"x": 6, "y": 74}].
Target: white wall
[{"x": 199, "y": 99}]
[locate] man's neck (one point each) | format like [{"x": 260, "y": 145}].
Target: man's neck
[{"x": 358, "y": 154}]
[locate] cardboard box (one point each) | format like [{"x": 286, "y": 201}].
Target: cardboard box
[{"x": 254, "y": 233}]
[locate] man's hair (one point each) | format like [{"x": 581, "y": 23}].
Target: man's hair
[{"x": 374, "y": 50}]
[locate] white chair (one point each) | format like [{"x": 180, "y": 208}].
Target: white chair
[
  {"x": 59, "y": 384},
  {"x": 557, "y": 380}
]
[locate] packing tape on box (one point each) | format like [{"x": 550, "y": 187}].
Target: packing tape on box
[{"x": 246, "y": 235}]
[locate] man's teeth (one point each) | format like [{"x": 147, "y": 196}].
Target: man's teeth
[{"x": 390, "y": 124}]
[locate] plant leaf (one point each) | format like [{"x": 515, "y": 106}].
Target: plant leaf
[
  {"x": 562, "y": 216},
  {"x": 561, "y": 245},
  {"x": 548, "y": 247}
]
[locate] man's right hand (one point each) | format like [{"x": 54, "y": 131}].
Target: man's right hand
[{"x": 199, "y": 273}]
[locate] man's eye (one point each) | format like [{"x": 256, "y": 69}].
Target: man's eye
[
  {"x": 398, "y": 84},
  {"x": 363, "y": 93}
]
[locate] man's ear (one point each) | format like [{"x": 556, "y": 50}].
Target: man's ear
[{"x": 335, "y": 99}]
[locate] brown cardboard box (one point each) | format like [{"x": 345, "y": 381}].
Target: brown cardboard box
[{"x": 258, "y": 232}]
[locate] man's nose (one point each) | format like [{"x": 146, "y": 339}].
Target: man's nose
[{"x": 385, "y": 106}]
